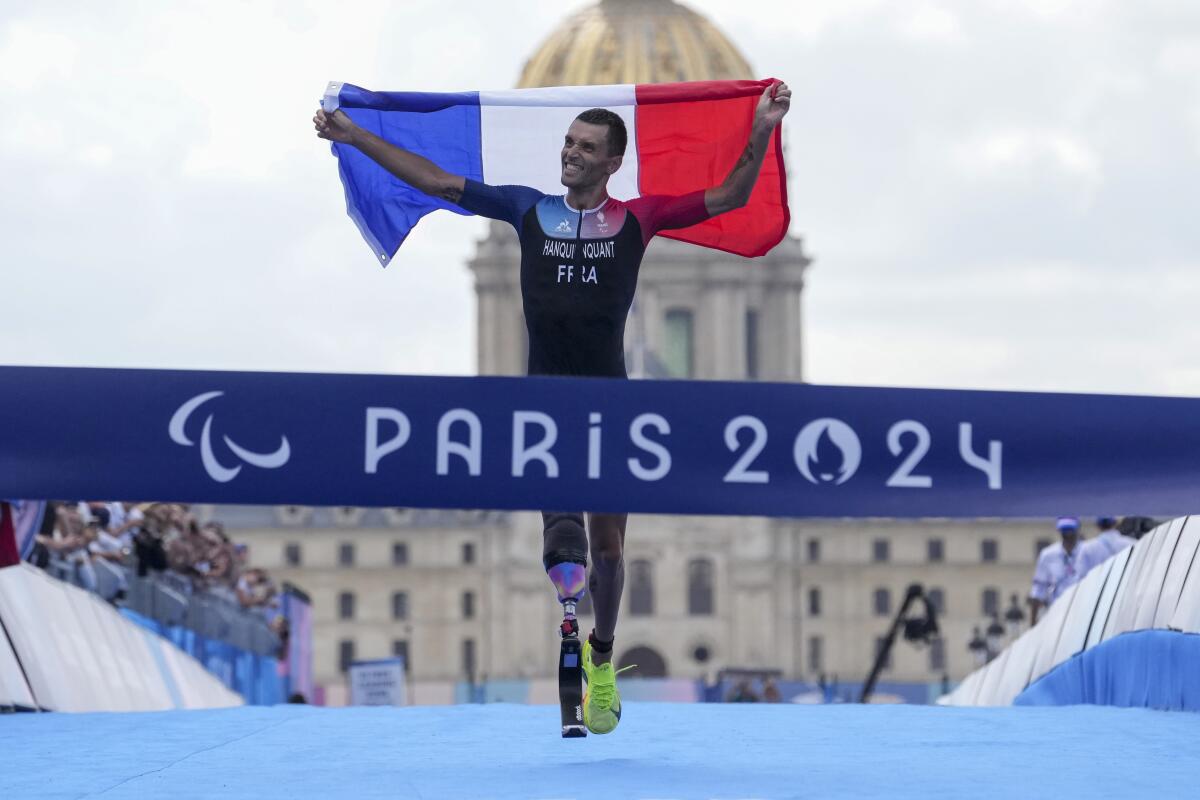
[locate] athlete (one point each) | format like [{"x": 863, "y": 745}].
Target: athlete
[{"x": 580, "y": 253}]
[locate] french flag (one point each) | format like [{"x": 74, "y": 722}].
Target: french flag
[{"x": 682, "y": 137}]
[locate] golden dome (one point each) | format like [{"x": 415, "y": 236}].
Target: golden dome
[{"x": 634, "y": 41}]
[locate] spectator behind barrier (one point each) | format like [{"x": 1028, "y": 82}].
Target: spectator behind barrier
[
  {"x": 72, "y": 533},
  {"x": 161, "y": 537},
  {"x": 1136, "y": 527},
  {"x": 1057, "y": 569},
  {"x": 1107, "y": 544},
  {"x": 148, "y": 540},
  {"x": 742, "y": 693},
  {"x": 110, "y": 546},
  {"x": 256, "y": 592}
]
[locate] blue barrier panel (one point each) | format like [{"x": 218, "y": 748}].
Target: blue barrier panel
[
  {"x": 256, "y": 678},
  {"x": 1139, "y": 669},
  {"x": 603, "y": 445}
]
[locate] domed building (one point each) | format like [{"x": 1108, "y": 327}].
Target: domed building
[
  {"x": 462, "y": 595},
  {"x": 634, "y": 41}
]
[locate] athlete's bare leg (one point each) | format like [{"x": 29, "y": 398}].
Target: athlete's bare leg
[{"x": 606, "y": 537}]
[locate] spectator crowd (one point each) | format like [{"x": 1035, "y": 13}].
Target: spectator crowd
[{"x": 159, "y": 538}]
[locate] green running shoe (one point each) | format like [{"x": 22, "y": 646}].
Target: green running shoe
[{"x": 601, "y": 700}]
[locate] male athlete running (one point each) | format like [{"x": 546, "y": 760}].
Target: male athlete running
[{"x": 580, "y": 255}]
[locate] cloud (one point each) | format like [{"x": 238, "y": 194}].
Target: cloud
[
  {"x": 933, "y": 23},
  {"x": 1033, "y": 156},
  {"x": 31, "y": 56}
]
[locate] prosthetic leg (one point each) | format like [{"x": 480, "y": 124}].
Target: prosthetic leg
[{"x": 565, "y": 559}]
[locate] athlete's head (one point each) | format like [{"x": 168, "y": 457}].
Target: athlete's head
[{"x": 593, "y": 148}]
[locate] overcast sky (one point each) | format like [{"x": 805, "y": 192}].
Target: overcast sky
[{"x": 996, "y": 194}]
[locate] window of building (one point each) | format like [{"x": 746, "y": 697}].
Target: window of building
[
  {"x": 468, "y": 659},
  {"x": 814, "y": 551},
  {"x": 468, "y": 553},
  {"x": 991, "y": 602},
  {"x": 935, "y": 550},
  {"x": 346, "y": 554},
  {"x": 678, "y": 348},
  {"x": 346, "y": 605},
  {"x": 752, "y": 344},
  {"x": 880, "y": 645},
  {"x": 937, "y": 655},
  {"x": 937, "y": 599},
  {"x": 292, "y": 555},
  {"x": 816, "y": 656},
  {"x": 345, "y": 654},
  {"x": 882, "y": 602},
  {"x": 814, "y": 602},
  {"x": 881, "y": 550},
  {"x": 989, "y": 550},
  {"x": 468, "y": 605},
  {"x": 399, "y": 554},
  {"x": 400, "y": 650},
  {"x": 641, "y": 588},
  {"x": 399, "y": 605},
  {"x": 1039, "y": 546},
  {"x": 700, "y": 587}
]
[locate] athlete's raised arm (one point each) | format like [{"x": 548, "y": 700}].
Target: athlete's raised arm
[
  {"x": 417, "y": 171},
  {"x": 734, "y": 192}
]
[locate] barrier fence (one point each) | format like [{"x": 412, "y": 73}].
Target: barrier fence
[
  {"x": 64, "y": 649},
  {"x": 1126, "y": 634}
]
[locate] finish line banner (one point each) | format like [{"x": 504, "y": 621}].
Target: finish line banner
[{"x": 676, "y": 447}]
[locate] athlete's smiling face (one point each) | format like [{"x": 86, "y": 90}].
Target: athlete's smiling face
[{"x": 585, "y": 158}]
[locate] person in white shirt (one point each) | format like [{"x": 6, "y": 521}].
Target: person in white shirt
[
  {"x": 110, "y": 546},
  {"x": 1058, "y": 568},
  {"x": 1107, "y": 544}
]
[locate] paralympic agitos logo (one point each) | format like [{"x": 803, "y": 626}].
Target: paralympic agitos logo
[{"x": 177, "y": 429}]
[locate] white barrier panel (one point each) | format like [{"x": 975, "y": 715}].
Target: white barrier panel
[
  {"x": 1018, "y": 672},
  {"x": 993, "y": 677},
  {"x": 1187, "y": 614},
  {"x": 1050, "y": 628},
  {"x": 967, "y": 691},
  {"x": 1116, "y": 578},
  {"x": 1181, "y": 565},
  {"x": 18, "y": 609},
  {"x": 1081, "y": 613},
  {"x": 1124, "y": 607},
  {"x": 1155, "y": 583},
  {"x": 80, "y": 654},
  {"x": 142, "y": 687},
  {"x": 1150, "y": 586},
  {"x": 14, "y": 690}
]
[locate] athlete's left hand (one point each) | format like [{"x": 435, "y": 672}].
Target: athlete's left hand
[{"x": 774, "y": 103}]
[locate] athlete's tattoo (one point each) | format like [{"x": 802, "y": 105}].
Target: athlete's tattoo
[
  {"x": 451, "y": 193},
  {"x": 746, "y": 158}
]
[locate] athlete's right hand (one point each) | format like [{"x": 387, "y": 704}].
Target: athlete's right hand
[{"x": 336, "y": 127}]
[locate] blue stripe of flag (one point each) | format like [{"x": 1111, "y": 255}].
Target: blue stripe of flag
[{"x": 443, "y": 127}]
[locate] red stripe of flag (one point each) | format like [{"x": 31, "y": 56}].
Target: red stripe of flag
[{"x": 689, "y": 135}]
